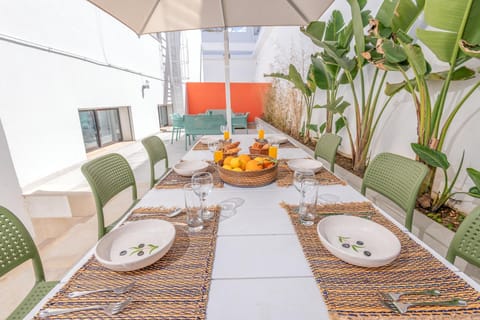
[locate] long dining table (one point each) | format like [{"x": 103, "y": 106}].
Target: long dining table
[{"x": 259, "y": 262}]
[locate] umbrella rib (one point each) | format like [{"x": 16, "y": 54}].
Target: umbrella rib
[
  {"x": 223, "y": 13},
  {"x": 149, "y": 16},
  {"x": 297, "y": 9}
]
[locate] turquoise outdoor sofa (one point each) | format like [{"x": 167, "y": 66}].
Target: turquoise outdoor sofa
[{"x": 239, "y": 120}]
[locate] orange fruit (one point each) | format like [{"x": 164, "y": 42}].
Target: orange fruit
[
  {"x": 244, "y": 158},
  {"x": 253, "y": 165},
  {"x": 227, "y": 160}
]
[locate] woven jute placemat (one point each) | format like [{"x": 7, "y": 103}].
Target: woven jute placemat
[
  {"x": 174, "y": 287},
  {"x": 200, "y": 146},
  {"x": 285, "y": 176},
  {"x": 175, "y": 181},
  {"x": 352, "y": 292}
]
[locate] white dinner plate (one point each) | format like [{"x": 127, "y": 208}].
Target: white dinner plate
[
  {"x": 358, "y": 241},
  {"x": 276, "y": 139},
  {"x": 306, "y": 164},
  {"x": 188, "y": 167},
  {"x": 135, "y": 245}
]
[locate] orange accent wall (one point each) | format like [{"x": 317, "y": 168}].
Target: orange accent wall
[{"x": 245, "y": 97}]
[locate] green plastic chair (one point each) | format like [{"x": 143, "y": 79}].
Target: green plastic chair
[
  {"x": 17, "y": 247},
  {"x": 177, "y": 126},
  {"x": 397, "y": 178},
  {"x": 109, "y": 175},
  {"x": 156, "y": 152},
  {"x": 326, "y": 148},
  {"x": 466, "y": 242}
]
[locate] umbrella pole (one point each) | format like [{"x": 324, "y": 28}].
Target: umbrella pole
[{"x": 228, "y": 107}]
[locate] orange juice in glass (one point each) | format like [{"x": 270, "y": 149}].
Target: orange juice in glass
[
  {"x": 261, "y": 133},
  {"x": 226, "y": 132},
  {"x": 217, "y": 155},
  {"x": 273, "y": 151}
]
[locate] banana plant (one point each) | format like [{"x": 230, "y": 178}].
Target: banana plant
[
  {"x": 438, "y": 159},
  {"x": 455, "y": 40},
  {"x": 395, "y": 14},
  {"x": 327, "y": 73},
  {"x": 307, "y": 89}
]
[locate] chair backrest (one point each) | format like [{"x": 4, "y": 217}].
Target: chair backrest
[
  {"x": 17, "y": 246},
  {"x": 177, "y": 120},
  {"x": 240, "y": 120},
  {"x": 108, "y": 175},
  {"x": 398, "y": 178},
  {"x": 222, "y": 112},
  {"x": 466, "y": 242},
  {"x": 203, "y": 124},
  {"x": 326, "y": 148},
  {"x": 156, "y": 152}
]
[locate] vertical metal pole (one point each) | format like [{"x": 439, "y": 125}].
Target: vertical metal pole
[{"x": 228, "y": 107}]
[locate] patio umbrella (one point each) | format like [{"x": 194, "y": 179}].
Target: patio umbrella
[{"x": 151, "y": 16}]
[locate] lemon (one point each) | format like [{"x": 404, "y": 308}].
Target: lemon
[
  {"x": 259, "y": 159},
  {"x": 238, "y": 169},
  {"x": 227, "y": 160},
  {"x": 235, "y": 163},
  {"x": 226, "y": 166}
]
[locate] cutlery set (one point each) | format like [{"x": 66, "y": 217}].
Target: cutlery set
[
  {"x": 392, "y": 300},
  {"x": 109, "y": 309}
]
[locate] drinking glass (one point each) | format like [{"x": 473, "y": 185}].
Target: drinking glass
[
  {"x": 308, "y": 201},
  {"x": 202, "y": 184},
  {"x": 213, "y": 145},
  {"x": 194, "y": 209},
  {"x": 301, "y": 174},
  {"x": 261, "y": 131},
  {"x": 226, "y": 132},
  {"x": 273, "y": 150}
]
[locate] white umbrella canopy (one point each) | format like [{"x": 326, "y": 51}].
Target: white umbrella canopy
[{"x": 151, "y": 16}]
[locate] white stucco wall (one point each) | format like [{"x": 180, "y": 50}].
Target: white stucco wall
[
  {"x": 41, "y": 92},
  {"x": 242, "y": 69},
  {"x": 397, "y": 129},
  {"x": 10, "y": 192}
]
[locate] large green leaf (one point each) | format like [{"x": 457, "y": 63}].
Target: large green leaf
[
  {"x": 393, "y": 53},
  {"x": 358, "y": 25},
  {"x": 399, "y": 14},
  {"x": 339, "y": 124},
  {"x": 416, "y": 59},
  {"x": 472, "y": 50},
  {"x": 431, "y": 157},
  {"x": 475, "y": 176},
  {"x": 294, "y": 77},
  {"x": 334, "y": 25},
  {"x": 315, "y": 31},
  {"x": 474, "y": 192},
  {"x": 462, "y": 73},
  {"x": 447, "y": 17},
  {"x": 393, "y": 88},
  {"x": 321, "y": 74},
  {"x": 441, "y": 43}
]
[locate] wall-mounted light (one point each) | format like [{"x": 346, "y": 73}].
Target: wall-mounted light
[{"x": 146, "y": 85}]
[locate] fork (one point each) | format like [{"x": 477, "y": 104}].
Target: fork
[
  {"x": 402, "y": 307},
  {"x": 117, "y": 290},
  {"x": 110, "y": 309},
  {"x": 395, "y": 296}
]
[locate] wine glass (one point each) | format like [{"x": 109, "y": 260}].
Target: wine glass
[{"x": 202, "y": 184}]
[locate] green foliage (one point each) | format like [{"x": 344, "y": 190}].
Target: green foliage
[{"x": 438, "y": 159}]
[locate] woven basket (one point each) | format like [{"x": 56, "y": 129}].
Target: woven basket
[
  {"x": 258, "y": 151},
  {"x": 249, "y": 178}
]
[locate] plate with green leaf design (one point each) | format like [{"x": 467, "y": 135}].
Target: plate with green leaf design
[
  {"x": 358, "y": 241},
  {"x": 135, "y": 245}
]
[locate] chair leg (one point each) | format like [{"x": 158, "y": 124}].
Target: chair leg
[{"x": 173, "y": 133}]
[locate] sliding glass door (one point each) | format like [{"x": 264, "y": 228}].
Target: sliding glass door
[{"x": 100, "y": 127}]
